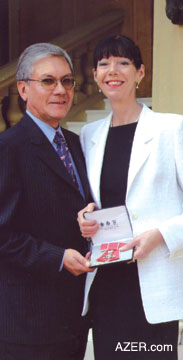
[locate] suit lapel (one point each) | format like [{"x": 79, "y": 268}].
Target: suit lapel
[
  {"x": 44, "y": 149},
  {"x": 77, "y": 155},
  {"x": 95, "y": 156},
  {"x": 141, "y": 149},
  {"x": 142, "y": 145}
]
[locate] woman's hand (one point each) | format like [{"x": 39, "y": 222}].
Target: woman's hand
[
  {"x": 144, "y": 243},
  {"x": 88, "y": 228}
]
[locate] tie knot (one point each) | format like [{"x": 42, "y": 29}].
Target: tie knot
[{"x": 59, "y": 139}]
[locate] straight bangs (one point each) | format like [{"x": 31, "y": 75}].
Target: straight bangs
[{"x": 118, "y": 46}]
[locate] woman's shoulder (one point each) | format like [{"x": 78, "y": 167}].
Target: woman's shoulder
[
  {"x": 96, "y": 125},
  {"x": 163, "y": 119}
]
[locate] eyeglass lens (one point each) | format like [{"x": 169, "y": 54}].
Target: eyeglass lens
[{"x": 67, "y": 83}]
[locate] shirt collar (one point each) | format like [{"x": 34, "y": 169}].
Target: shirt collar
[{"x": 48, "y": 130}]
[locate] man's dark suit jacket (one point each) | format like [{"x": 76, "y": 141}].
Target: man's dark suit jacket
[{"x": 38, "y": 220}]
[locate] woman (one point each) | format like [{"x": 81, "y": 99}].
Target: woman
[{"x": 135, "y": 157}]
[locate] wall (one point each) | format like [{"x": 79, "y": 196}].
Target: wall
[
  {"x": 3, "y": 32},
  {"x": 167, "y": 62},
  {"x": 43, "y": 20}
]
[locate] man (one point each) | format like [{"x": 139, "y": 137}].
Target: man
[{"x": 42, "y": 187}]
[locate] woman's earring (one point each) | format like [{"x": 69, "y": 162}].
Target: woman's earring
[
  {"x": 99, "y": 90},
  {"x": 137, "y": 85}
]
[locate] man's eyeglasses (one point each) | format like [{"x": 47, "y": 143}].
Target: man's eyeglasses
[{"x": 50, "y": 83}]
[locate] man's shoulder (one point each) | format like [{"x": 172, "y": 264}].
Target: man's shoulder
[
  {"x": 11, "y": 133},
  {"x": 18, "y": 132}
]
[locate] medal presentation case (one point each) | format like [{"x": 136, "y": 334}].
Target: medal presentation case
[{"x": 114, "y": 232}]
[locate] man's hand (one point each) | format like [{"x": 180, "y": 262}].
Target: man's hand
[
  {"x": 75, "y": 263},
  {"x": 88, "y": 228},
  {"x": 144, "y": 243}
]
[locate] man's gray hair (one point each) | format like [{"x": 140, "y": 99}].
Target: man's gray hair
[{"x": 34, "y": 53}]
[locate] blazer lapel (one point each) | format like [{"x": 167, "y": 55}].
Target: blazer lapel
[
  {"x": 142, "y": 145},
  {"x": 47, "y": 154},
  {"x": 95, "y": 156},
  {"x": 77, "y": 155},
  {"x": 44, "y": 149},
  {"x": 141, "y": 149}
]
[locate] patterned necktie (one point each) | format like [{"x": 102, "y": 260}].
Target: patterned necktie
[{"x": 65, "y": 156}]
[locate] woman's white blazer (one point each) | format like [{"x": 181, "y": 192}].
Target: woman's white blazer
[{"x": 154, "y": 199}]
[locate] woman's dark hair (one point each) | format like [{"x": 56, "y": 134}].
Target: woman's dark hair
[{"x": 117, "y": 45}]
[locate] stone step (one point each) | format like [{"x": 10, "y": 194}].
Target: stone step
[
  {"x": 93, "y": 115},
  {"x": 75, "y": 126}
]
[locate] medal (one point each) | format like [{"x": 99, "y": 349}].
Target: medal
[{"x": 111, "y": 252}]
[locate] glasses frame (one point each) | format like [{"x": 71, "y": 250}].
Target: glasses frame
[{"x": 55, "y": 83}]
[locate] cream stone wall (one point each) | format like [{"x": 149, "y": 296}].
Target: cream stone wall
[{"x": 167, "y": 92}]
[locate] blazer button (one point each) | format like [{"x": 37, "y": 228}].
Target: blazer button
[{"x": 134, "y": 217}]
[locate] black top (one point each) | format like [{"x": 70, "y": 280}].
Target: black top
[{"x": 113, "y": 183}]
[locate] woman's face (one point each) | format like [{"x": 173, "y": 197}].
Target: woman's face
[{"x": 117, "y": 77}]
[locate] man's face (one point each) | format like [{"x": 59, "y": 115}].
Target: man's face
[{"x": 49, "y": 106}]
